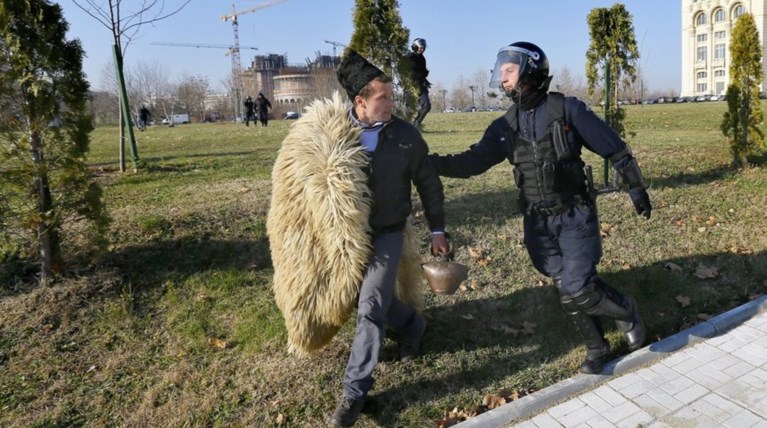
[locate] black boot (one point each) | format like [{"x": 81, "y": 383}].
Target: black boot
[
  {"x": 598, "y": 298},
  {"x": 597, "y": 348},
  {"x": 347, "y": 412}
]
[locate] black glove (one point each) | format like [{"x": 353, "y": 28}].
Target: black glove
[{"x": 641, "y": 201}]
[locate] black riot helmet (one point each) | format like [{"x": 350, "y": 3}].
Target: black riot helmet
[
  {"x": 533, "y": 68},
  {"x": 418, "y": 43}
]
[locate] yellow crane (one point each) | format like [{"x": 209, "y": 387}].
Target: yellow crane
[{"x": 233, "y": 17}]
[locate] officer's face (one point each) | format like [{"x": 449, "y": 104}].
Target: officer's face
[
  {"x": 509, "y": 75},
  {"x": 421, "y": 50},
  {"x": 378, "y": 106}
]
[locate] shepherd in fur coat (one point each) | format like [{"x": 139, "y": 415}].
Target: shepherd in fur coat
[
  {"x": 338, "y": 226},
  {"x": 318, "y": 227}
]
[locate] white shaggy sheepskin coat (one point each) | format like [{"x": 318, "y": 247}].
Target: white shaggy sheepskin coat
[{"x": 318, "y": 227}]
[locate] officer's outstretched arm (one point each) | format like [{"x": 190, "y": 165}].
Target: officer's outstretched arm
[{"x": 631, "y": 177}]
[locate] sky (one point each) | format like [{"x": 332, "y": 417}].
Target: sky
[{"x": 463, "y": 36}]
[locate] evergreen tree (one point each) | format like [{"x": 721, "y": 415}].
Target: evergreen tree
[
  {"x": 44, "y": 181},
  {"x": 381, "y": 38},
  {"x": 741, "y": 123},
  {"x": 613, "y": 49}
]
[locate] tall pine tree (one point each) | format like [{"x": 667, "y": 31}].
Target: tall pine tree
[
  {"x": 44, "y": 181},
  {"x": 613, "y": 50},
  {"x": 380, "y": 37},
  {"x": 742, "y": 121}
]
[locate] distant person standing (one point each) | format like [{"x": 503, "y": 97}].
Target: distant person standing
[
  {"x": 419, "y": 72},
  {"x": 262, "y": 109},
  {"x": 249, "y": 110},
  {"x": 143, "y": 117}
]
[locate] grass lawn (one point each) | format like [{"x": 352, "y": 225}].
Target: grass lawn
[{"x": 176, "y": 325}]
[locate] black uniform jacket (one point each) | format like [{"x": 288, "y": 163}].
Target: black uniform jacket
[
  {"x": 399, "y": 160},
  {"x": 586, "y": 130}
]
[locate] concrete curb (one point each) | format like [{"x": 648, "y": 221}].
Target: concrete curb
[{"x": 533, "y": 404}]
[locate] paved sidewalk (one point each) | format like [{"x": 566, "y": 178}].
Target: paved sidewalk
[{"x": 711, "y": 375}]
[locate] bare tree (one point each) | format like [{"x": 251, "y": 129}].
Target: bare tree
[
  {"x": 151, "y": 81},
  {"x": 480, "y": 80},
  {"x": 460, "y": 96},
  {"x": 124, "y": 27},
  {"x": 191, "y": 93}
]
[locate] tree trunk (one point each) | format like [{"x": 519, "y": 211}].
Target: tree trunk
[{"x": 47, "y": 235}]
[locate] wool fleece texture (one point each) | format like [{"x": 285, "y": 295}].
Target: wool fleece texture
[{"x": 318, "y": 227}]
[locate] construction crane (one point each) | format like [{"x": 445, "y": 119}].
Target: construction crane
[
  {"x": 235, "y": 25},
  {"x": 236, "y": 67},
  {"x": 334, "y": 45},
  {"x": 230, "y": 48}
]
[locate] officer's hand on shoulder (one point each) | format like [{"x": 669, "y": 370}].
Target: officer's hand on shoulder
[{"x": 641, "y": 201}]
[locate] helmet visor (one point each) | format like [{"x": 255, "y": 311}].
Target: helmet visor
[{"x": 510, "y": 55}]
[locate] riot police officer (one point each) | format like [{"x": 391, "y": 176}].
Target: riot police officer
[
  {"x": 542, "y": 135},
  {"x": 419, "y": 73}
]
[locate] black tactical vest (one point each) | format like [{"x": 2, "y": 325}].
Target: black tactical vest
[{"x": 547, "y": 170}]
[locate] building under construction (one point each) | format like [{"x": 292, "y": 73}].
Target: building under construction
[{"x": 292, "y": 86}]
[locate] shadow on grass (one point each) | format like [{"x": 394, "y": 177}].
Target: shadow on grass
[
  {"x": 467, "y": 327},
  {"x": 149, "y": 160},
  {"x": 149, "y": 265},
  {"x": 703, "y": 177}
]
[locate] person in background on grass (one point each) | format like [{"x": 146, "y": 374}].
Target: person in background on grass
[
  {"x": 249, "y": 110},
  {"x": 143, "y": 117},
  {"x": 419, "y": 73},
  {"x": 262, "y": 109},
  {"x": 542, "y": 135}
]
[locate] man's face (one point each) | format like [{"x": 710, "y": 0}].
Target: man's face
[
  {"x": 509, "y": 75},
  {"x": 421, "y": 50},
  {"x": 378, "y": 106}
]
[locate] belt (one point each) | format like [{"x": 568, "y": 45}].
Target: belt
[{"x": 549, "y": 211}]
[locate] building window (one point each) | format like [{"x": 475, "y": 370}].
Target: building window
[
  {"x": 701, "y": 54},
  {"x": 701, "y": 75},
  {"x": 702, "y": 38},
  {"x": 719, "y": 15},
  {"x": 702, "y": 88},
  {"x": 739, "y": 10},
  {"x": 700, "y": 19},
  {"x": 719, "y": 88},
  {"x": 720, "y": 35},
  {"x": 719, "y": 51},
  {"x": 719, "y": 73}
]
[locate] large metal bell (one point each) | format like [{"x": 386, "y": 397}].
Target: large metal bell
[{"x": 443, "y": 276}]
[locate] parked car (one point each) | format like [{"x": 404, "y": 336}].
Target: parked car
[{"x": 291, "y": 115}]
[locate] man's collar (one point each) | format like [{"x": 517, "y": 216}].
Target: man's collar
[{"x": 357, "y": 122}]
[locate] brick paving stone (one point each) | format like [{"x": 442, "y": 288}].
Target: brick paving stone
[
  {"x": 716, "y": 407},
  {"x": 726, "y": 361},
  {"x": 691, "y": 394},
  {"x": 595, "y": 402},
  {"x": 621, "y": 412},
  {"x": 689, "y": 417},
  {"x": 678, "y": 385},
  {"x": 545, "y": 420},
  {"x": 743, "y": 419},
  {"x": 600, "y": 422},
  {"x": 610, "y": 395},
  {"x": 564, "y": 409},
  {"x": 651, "y": 406},
  {"x": 578, "y": 417},
  {"x": 739, "y": 369},
  {"x": 638, "y": 419},
  {"x": 665, "y": 399},
  {"x": 659, "y": 374},
  {"x": 659, "y": 424}
]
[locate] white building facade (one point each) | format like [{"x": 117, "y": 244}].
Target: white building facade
[{"x": 706, "y": 29}]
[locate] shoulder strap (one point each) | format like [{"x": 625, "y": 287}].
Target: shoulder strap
[
  {"x": 556, "y": 105},
  {"x": 511, "y": 117}
]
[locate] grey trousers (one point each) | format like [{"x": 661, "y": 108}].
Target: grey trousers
[{"x": 377, "y": 309}]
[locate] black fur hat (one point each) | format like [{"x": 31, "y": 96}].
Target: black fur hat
[{"x": 355, "y": 72}]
